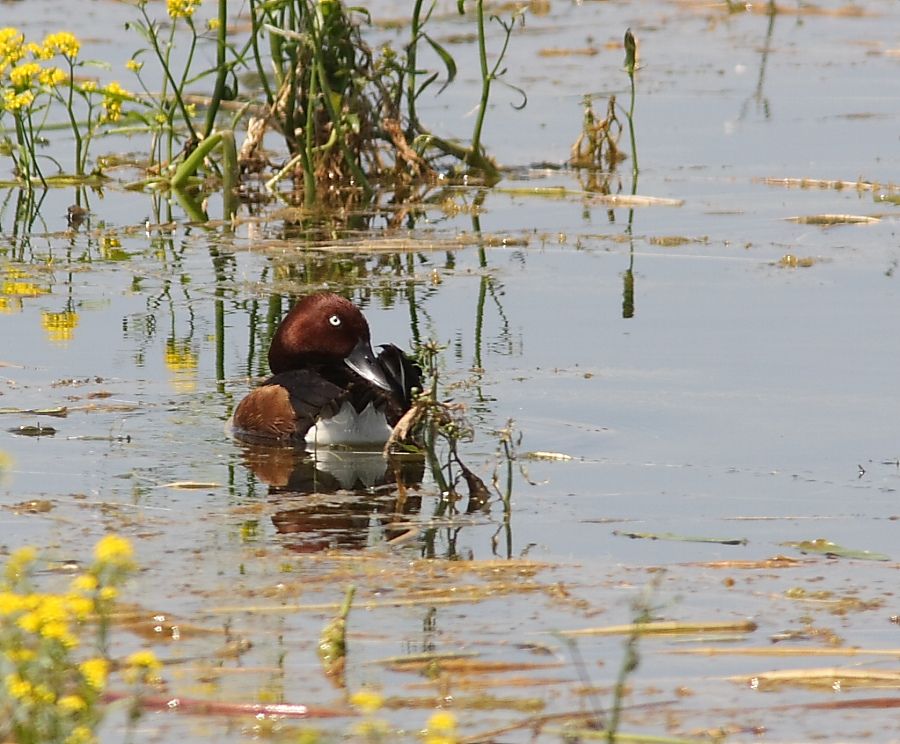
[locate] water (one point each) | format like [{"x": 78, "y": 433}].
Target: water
[{"x": 743, "y": 399}]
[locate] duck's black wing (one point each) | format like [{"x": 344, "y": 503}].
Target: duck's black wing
[{"x": 286, "y": 405}]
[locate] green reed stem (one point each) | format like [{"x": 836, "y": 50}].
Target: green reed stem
[
  {"x": 306, "y": 152},
  {"x": 411, "y": 54},
  {"x": 631, "y": 64},
  {"x": 221, "y": 67},
  {"x": 486, "y": 78},
  {"x": 70, "y": 110},
  {"x": 255, "y": 31}
]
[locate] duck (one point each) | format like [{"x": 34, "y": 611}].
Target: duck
[{"x": 327, "y": 385}]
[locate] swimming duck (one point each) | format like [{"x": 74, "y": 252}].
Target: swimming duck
[{"x": 327, "y": 385}]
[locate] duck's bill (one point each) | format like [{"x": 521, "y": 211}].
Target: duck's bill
[{"x": 362, "y": 361}]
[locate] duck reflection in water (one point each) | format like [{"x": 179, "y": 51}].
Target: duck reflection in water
[{"x": 337, "y": 499}]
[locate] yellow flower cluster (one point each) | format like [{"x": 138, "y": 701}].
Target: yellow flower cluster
[
  {"x": 52, "y": 76},
  {"x": 80, "y": 735},
  {"x": 113, "y": 95},
  {"x": 13, "y": 101},
  {"x": 28, "y": 692},
  {"x": 114, "y": 550},
  {"x": 55, "y": 692},
  {"x": 367, "y": 700},
  {"x": 21, "y": 81},
  {"x": 441, "y": 728},
  {"x": 12, "y": 47},
  {"x": 181, "y": 8},
  {"x": 95, "y": 672},
  {"x": 142, "y": 667},
  {"x": 62, "y": 43},
  {"x": 22, "y": 76}
]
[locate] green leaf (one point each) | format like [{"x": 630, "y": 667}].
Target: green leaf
[
  {"x": 446, "y": 58},
  {"x": 833, "y": 550},
  {"x": 681, "y": 538}
]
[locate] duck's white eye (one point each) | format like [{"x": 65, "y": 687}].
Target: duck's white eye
[{"x": 334, "y": 320}]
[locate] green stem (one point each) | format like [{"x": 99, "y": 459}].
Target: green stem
[
  {"x": 193, "y": 161},
  {"x": 306, "y": 152},
  {"x": 411, "y": 54},
  {"x": 221, "y": 67},
  {"x": 254, "y": 39},
  {"x": 164, "y": 61},
  {"x": 486, "y": 78},
  {"x": 73, "y": 123},
  {"x": 634, "y": 155}
]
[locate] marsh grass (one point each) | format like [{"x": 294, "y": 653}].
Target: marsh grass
[{"x": 347, "y": 114}]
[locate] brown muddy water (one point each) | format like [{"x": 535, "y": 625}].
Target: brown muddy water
[{"x": 724, "y": 369}]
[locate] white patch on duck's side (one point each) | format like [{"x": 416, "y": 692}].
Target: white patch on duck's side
[{"x": 349, "y": 427}]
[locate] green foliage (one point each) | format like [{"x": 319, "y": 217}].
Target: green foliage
[{"x": 348, "y": 116}]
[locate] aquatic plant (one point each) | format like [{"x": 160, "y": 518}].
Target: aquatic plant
[
  {"x": 597, "y": 146},
  {"x": 35, "y": 76},
  {"x": 54, "y": 660},
  {"x": 347, "y": 114}
]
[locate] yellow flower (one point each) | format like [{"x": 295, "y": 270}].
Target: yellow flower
[
  {"x": 114, "y": 549},
  {"x": 80, "y": 735},
  {"x": 213, "y": 24},
  {"x": 13, "y": 101},
  {"x": 17, "y": 687},
  {"x": 59, "y": 631},
  {"x": 22, "y": 75},
  {"x": 89, "y": 86},
  {"x": 19, "y": 562},
  {"x": 60, "y": 326},
  {"x": 441, "y": 728},
  {"x": 134, "y": 65},
  {"x": 142, "y": 666},
  {"x": 145, "y": 659},
  {"x": 181, "y": 8},
  {"x": 26, "y": 692},
  {"x": 95, "y": 672},
  {"x": 62, "y": 43},
  {"x": 30, "y": 622},
  {"x": 10, "y": 603},
  {"x": 84, "y": 583},
  {"x": 20, "y": 655},
  {"x": 38, "y": 52},
  {"x": 113, "y": 96},
  {"x": 42, "y": 694},
  {"x": 108, "y": 593},
  {"x": 52, "y": 77},
  {"x": 71, "y": 703},
  {"x": 368, "y": 701},
  {"x": 79, "y": 607},
  {"x": 12, "y": 46}
]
